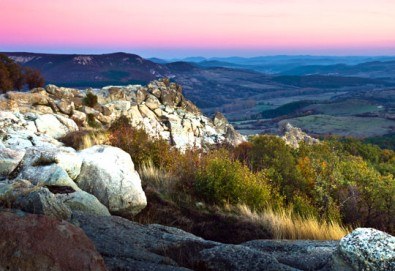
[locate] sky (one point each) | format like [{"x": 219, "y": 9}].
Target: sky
[{"x": 180, "y": 28}]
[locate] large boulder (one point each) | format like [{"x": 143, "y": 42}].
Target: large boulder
[
  {"x": 33, "y": 242},
  {"x": 368, "y": 249},
  {"x": 108, "y": 173}
]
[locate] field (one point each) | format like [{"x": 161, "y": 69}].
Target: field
[
  {"x": 361, "y": 127},
  {"x": 348, "y": 108}
]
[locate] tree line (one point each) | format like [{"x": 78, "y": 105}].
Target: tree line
[{"x": 15, "y": 77}]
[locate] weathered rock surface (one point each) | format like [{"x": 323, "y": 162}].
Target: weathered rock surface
[
  {"x": 368, "y": 249},
  {"x": 81, "y": 201},
  {"x": 293, "y": 136},
  {"x": 303, "y": 255},
  {"x": 127, "y": 245},
  {"x": 9, "y": 160},
  {"x": 33, "y": 242},
  {"x": 43, "y": 202},
  {"x": 108, "y": 173},
  {"x": 30, "y": 153},
  {"x": 159, "y": 108}
]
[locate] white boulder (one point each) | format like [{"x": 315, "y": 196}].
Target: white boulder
[{"x": 108, "y": 173}]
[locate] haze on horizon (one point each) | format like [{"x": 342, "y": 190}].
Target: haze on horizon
[{"x": 180, "y": 28}]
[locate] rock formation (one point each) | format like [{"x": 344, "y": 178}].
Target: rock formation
[
  {"x": 159, "y": 108},
  {"x": 293, "y": 136},
  {"x": 38, "y": 174}
]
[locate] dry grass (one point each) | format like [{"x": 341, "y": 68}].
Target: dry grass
[
  {"x": 284, "y": 224},
  {"x": 84, "y": 139},
  {"x": 156, "y": 178}
]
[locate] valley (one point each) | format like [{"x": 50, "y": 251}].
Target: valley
[{"x": 344, "y": 96}]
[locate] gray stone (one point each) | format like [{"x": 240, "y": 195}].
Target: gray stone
[
  {"x": 236, "y": 257},
  {"x": 108, "y": 173},
  {"x": 51, "y": 175},
  {"x": 126, "y": 245},
  {"x": 304, "y": 255},
  {"x": 82, "y": 201},
  {"x": 368, "y": 249},
  {"x": 42, "y": 201}
]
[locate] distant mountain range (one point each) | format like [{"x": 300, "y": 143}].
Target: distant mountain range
[
  {"x": 210, "y": 83},
  {"x": 92, "y": 70},
  {"x": 285, "y": 64}
]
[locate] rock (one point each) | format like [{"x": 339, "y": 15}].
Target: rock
[
  {"x": 368, "y": 249},
  {"x": 108, "y": 173},
  {"x": 127, "y": 245},
  {"x": 220, "y": 122},
  {"x": 79, "y": 118},
  {"x": 236, "y": 257},
  {"x": 43, "y": 109},
  {"x": 152, "y": 102},
  {"x": 141, "y": 95},
  {"x": 9, "y": 160},
  {"x": 27, "y": 98},
  {"x": 170, "y": 97},
  {"x": 50, "y": 125},
  {"x": 51, "y": 175},
  {"x": 69, "y": 123},
  {"x": 65, "y": 158},
  {"x": 51, "y": 166},
  {"x": 303, "y": 255},
  {"x": 42, "y": 202},
  {"x": 33, "y": 242},
  {"x": 156, "y": 92},
  {"x": 65, "y": 107},
  {"x": 293, "y": 136},
  {"x": 81, "y": 201}
]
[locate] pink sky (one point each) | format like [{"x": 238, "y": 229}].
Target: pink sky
[{"x": 199, "y": 27}]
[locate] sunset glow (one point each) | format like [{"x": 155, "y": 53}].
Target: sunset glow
[{"x": 199, "y": 27}]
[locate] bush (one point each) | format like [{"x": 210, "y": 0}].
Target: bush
[
  {"x": 83, "y": 139},
  {"x": 14, "y": 77},
  {"x": 140, "y": 146},
  {"x": 90, "y": 99},
  {"x": 222, "y": 180}
]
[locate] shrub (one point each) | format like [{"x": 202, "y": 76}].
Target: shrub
[
  {"x": 33, "y": 78},
  {"x": 84, "y": 139},
  {"x": 222, "y": 180},
  {"x": 140, "y": 146},
  {"x": 90, "y": 99},
  {"x": 92, "y": 122},
  {"x": 14, "y": 77}
]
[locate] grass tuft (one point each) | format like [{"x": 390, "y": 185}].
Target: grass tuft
[{"x": 284, "y": 224}]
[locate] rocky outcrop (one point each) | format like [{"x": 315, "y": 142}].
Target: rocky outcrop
[
  {"x": 32, "y": 242},
  {"x": 126, "y": 245},
  {"x": 293, "y": 136},
  {"x": 51, "y": 172},
  {"x": 368, "y": 249},
  {"x": 159, "y": 108}
]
